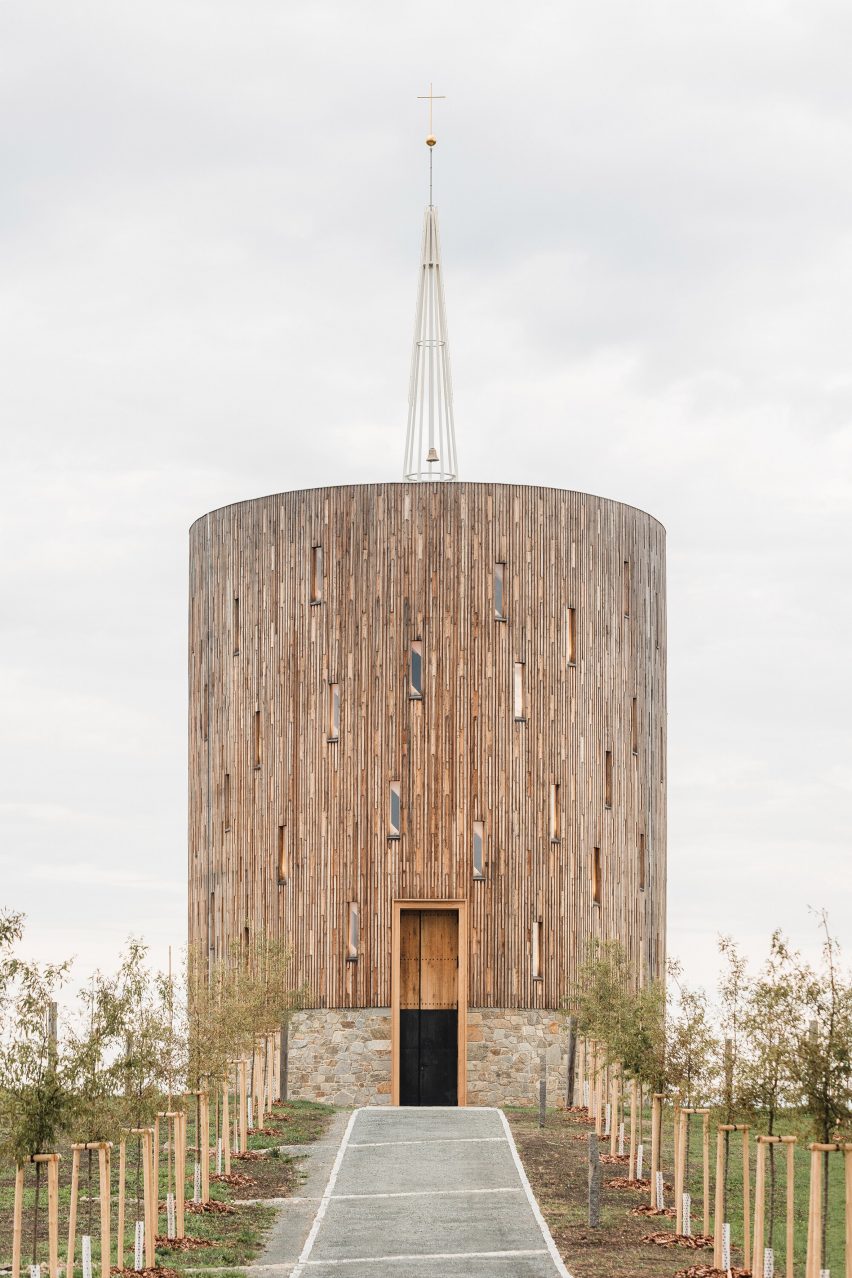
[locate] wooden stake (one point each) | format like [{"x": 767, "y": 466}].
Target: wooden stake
[
  {"x": 719, "y": 1210},
  {"x": 72, "y": 1210},
  {"x": 180, "y": 1173},
  {"x": 705, "y": 1161},
  {"x": 656, "y": 1125},
  {"x": 847, "y": 1167},
  {"x": 790, "y": 1142},
  {"x": 119, "y": 1234},
  {"x": 53, "y": 1215},
  {"x": 243, "y": 1073},
  {"x": 759, "y": 1205},
  {"x": 634, "y": 1094},
  {"x": 812, "y": 1263},
  {"x": 205, "y": 1147},
  {"x": 226, "y": 1125},
  {"x": 104, "y": 1194},
  {"x": 581, "y": 1072},
  {"x": 17, "y": 1222},
  {"x": 680, "y": 1165},
  {"x": 746, "y": 1199},
  {"x": 150, "y": 1207}
]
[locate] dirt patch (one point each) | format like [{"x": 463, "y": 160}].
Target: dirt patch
[
  {"x": 694, "y": 1242},
  {"x": 235, "y": 1179},
  {"x": 213, "y": 1208},
  {"x": 182, "y": 1244},
  {"x": 707, "y": 1271},
  {"x": 157, "y": 1271}
]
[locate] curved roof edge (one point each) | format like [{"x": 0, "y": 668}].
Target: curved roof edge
[{"x": 458, "y": 483}]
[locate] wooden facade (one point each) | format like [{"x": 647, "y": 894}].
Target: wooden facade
[{"x": 452, "y": 661}]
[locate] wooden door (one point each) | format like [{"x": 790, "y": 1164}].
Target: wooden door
[{"x": 428, "y": 1007}]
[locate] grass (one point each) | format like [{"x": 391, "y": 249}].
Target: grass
[
  {"x": 234, "y": 1239},
  {"x": 556, "y": 1161}
]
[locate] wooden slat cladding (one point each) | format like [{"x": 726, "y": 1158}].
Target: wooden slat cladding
[{"x": 406, "y": 564}]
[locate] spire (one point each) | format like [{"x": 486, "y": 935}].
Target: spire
[{"x": 430, "y": 442}]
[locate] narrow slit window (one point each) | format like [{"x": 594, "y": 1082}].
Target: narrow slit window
[
  {"x": 354, "y": 936},
  {"x": 571, "y": 635},
  {"x": 258, "y": 743},
  {"x": 478, "y": 850},
  {"x": 394, "y": 813},
  {"x": 316, "y": 574},
  {"x": 537, "y": 936},
  {"x": 235, "y": 625},
  {"x": 282, "y": 855},
  {"x": 608, "y": 779},
  {"x": 641, "y": 862},
  {"x": 500, "y": 592},
  {"x": 596, "y": 876},
  {"x": 415, "y": 669},
  {"x": 555, "y": 823},
  {"x": 634, "y": 726},
  {"x": 227, "y": 801},
  {"x": 625, "y": 587},
  {"x": 333, "y": 711},
  {"x": 520, "y": 705}
]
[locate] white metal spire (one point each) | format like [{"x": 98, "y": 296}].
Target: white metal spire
[{"x": 430, "y": 441}]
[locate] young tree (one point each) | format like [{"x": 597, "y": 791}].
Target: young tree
[
  {"x": 771, "y": 1024},
  {"x": 691, "y": 1044},
  {"x": 823, "y": 1058},
  {"x": 36, "y": 1097},
  {"x": 691, "y": 1047},
  {"x": 733, "y": 992}
]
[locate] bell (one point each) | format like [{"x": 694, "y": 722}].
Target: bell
[{"x": 432, "y": 455}]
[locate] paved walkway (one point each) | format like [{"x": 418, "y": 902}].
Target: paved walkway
[{"x": 422, "y": 1193}]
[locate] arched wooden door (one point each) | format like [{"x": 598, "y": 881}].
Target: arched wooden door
[{"x": 428, "y": 1007}]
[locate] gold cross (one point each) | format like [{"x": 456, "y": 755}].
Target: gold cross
[{"x": 430, "y": 97}]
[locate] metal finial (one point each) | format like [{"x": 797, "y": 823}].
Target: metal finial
[{"x": 430, "y": 97}]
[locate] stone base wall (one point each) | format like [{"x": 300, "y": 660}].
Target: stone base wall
[
  {"x": 343, "y": 1056},
  {"x": 506, "y": 1048}
]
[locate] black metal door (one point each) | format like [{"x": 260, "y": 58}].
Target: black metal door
[{"x": 428, "y": 1056}]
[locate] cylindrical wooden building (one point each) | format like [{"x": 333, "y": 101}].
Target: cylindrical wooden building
[{"x": 427, "y": 749}]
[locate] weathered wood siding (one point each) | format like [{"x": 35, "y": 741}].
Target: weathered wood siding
[{"x": 402, "y": 563}]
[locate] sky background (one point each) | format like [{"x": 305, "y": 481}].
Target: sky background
[{"x": 209, "y": 234}]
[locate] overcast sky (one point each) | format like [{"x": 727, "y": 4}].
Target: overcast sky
[{"x": 209, "y": 227}]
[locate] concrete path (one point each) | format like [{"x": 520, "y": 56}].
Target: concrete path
[
  {"x": 296, "y": 1214},
  {"x": 423, "y": 1193}
]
